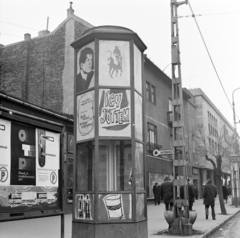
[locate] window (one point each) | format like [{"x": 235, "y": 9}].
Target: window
[
  {"x": 170, "y": 105},
  {"x": 153, "y": 95},
  {"x": 85, "y": 166},
  {"x": 152, "y": 134},
  {"x": 150, "y": 93},
  {"x": 115, "y": 166}
]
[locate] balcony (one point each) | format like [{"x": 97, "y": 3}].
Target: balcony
[{"x": 150, "y": 147}]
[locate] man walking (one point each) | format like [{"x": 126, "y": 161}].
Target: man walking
[
  {"x": 209, "y": 194},
  {"x": 156, "y": 194},
  {"x": 166, "y": 193},
  {"x": 191, "y": 194}
]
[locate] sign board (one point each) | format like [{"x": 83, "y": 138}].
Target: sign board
[
  {"x": 29, "y": 167},
  {"x": 234, "y": 158},
  {"x": 162, "y": 152}
]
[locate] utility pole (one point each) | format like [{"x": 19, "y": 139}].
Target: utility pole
[
  {"x": 181, "y": 225},
  {"x": 235, "y": 165}
]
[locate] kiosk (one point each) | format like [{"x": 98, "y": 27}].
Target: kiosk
[{"x": 109, "y": 195}]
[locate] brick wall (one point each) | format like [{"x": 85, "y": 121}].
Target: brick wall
[{"x": 39, "y": 70}]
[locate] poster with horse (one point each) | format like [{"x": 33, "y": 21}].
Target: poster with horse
[{"x": 114, "y": 63}]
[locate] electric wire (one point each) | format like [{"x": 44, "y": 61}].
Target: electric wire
[
  {"x": 19, "y": 25},
  {"x": 208, "y": 14},
  {"x": 209, "y": 55},
  {"x": 10, "y": 35}
]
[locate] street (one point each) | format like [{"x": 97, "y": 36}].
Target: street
[{"x": 229, "y": 230}]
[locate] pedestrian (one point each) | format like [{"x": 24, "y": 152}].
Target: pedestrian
[
  {"x": 209, "y": 195},
  {"x": 196, "y": 192},
  {"x": 155, "y": 193},
  {"x": 158, "y": 194},
  {"x": 229, "y": 192},
  {"x": 191, "y": 194},
  {"x": 225, "y": 193},
  {"x": 166, "y": 193}
]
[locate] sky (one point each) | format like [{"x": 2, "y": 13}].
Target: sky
[{"x": 218, "y": 21}]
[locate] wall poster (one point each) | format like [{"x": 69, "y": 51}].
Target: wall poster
[
  {"x": 140, "y": 208},
  {"x": 114, "y": 63},
  {"x": 5, "y": 162},
  {"x": 85, "y": 116},
  {"x": 138, "y": 116},
  {"x": 114, "y": 112},
  {"x": 47, "y": 151},
  {"x": 137, "y": 69},
  {"x": 84, "y": 206},
  {"x": 85, "y": 78},
  {"x": 29, "y": 165},
  {"x": 115, "y": 206},
  {"x": 23, "y": 157}
]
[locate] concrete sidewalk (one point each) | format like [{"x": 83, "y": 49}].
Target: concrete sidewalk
[
  {"x": 50, "y": 226},
  {"x": 157, "y": 222}
]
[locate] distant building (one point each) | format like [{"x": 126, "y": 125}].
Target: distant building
[{"x": 218, "y": 130}]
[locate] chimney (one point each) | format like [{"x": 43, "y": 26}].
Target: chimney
[
  {"x": 70, "y": 11},
  {"x": 43, "y": 33},
  {"x": 27, "y": 37}
]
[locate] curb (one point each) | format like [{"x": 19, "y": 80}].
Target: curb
[{"x": 212, "y": 230}]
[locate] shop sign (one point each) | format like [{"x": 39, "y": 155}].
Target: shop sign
[{"x": 162, "y": 152}]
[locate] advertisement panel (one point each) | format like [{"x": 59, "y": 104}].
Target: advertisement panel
[
  {"x": 114, "y": 63},
  {"x": 5, "y": 163},
  {"x": 47, "y": 151},
  {"x": 30, "y": 158},
  {"x": 23, "y": 157},
  {"x": 85, "y": 78},
  {"x": 85, "y": 116},
  {"x": 114, "y": 112},
  {"x": 137, "y": 69}
]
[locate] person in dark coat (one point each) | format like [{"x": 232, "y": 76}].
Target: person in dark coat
[
  {"x": 196, "y": 192},
  {"x": 209, "y": 195},
  {"x": 225, "y": 193},
  {"x": 229, "y": 192},
  {"x": 166, "y": 193},
  {"x": 156, "y": 194},
  {"x": 191, "y": 194}
]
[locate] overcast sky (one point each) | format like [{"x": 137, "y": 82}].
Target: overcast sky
[{"x": 150, "y": 19}]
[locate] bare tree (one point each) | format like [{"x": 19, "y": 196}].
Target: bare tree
[{"x": 214, "y": 151}]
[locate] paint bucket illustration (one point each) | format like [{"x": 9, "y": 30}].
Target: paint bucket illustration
[{"x": 113, "y": 203}]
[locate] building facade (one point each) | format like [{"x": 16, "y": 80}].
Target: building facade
[
  {"x": 159, "y": 128},
  {"x": 218, "y": 132}
]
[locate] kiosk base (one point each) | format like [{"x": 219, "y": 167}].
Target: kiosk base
[{"x": 110, "y": 230}]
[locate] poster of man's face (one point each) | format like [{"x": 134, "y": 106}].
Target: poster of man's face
[{"x": 85, "y": 68}]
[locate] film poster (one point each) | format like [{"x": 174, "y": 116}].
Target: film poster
[
  {"x": 114, "y": 112},
  {"x": 114, "y": 63}
]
